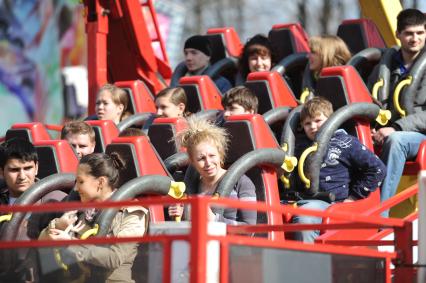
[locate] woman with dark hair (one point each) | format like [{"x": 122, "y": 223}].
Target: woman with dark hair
[
  {"x": 97, "y": 177},
  {"x": 257, "y": 56}
]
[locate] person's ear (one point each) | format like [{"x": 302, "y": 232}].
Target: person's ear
[
  {"x": 181, "y": 107},
  {"x": 36, "y": 168},
  {"x": 102, "y": 182},
  {"x": 397, "y": 34},
  {"x": 1, "y": 172},
  {"x": 251, "y": 111},
  {"x": 120, "y": 108}
]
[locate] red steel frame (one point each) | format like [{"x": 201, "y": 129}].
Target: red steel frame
[{"x": 198, "y": 237}]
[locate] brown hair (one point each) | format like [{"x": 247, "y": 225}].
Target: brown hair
[
  {"x": 201, "y": 130},
  {"x": 258, "y": 44},
  {"x": 78, "y": 128},
  {"x": 241, "y": 95},
  {"x": 132, "y": 132},
  {"x": 103, "y": 165},
  {"x": 176, "y": 96},
  {"x": 315, "y": 107},
  {"x": 331, "y": 49},
  {"x": 118, "y": 96}
]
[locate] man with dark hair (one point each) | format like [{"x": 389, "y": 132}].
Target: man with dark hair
[
  {"x": 402, "y": 139},
  {"x": 19, "y": 167},
  {"x": 239, "y": 100},
  {"x": 197, "y": 51}
]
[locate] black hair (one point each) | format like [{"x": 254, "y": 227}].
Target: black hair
[
  {"x": 104, "y": 165},
  {"x": 17, "y": 148},
  {"x": 410, "y": 17}
]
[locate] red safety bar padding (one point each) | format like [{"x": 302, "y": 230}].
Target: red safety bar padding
[
  {"x": 360, "y": 34},
  {"x": 65, "y": 157},
  {"x": 35, "y": 131},
  {"x": 105, "y": 131},
  {"x": 147, "y": 162},
  {"x": 140, "y": 96},
  {"x": 207, "y": 92},
  {"x": 279, "y": 92},
  {"x": 413, "y": 167},
  {"x": 162, "y": 134},
  {"x": 299, "y": 34},
  {"x": 231, "y": 40}
]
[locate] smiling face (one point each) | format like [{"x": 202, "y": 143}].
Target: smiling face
[
  {"x": 87, "y": 186},
  {"x": 166, "y": 108},
  {"x": 106, "y": 109},
  {"x": 412, "y": 39},
  {"x": 207, "y": 161},
  {"x": 311, "y": 125},
  {"x": 195, "y": 60},
  {"x": 19, "y": 175},
  {"x": 259, "y": 63}
]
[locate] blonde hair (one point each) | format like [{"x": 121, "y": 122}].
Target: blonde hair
[
  {"x": 118, "y": 96},
  {"x": 201, "y": 130},
  {"x": 331, "y": 49}
]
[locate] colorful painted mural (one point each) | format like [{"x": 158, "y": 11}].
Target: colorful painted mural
[{"x": 36, "y": 39}]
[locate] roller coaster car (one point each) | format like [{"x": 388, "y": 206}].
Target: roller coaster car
[
  {"x": 141, "y": 159},
  {"x": 32, "y": 132},
  {"x": 359, "y": 34},
  {"x": 105, "y": 132},
  {"x": 140, "y": 97},
  {"x": 201, "y": 93},
  {"x": 162, "y": 134},
  {"x": 55, "y": 156}
]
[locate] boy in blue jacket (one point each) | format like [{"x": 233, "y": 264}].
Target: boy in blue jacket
[{"x": 349, "y": 170}]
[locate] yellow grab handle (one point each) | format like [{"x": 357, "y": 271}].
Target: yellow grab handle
[
  {"x": 397, "y": 92},
  {"x": 383, "y": 117},
  {"x": 177, "y": 189},
  {"x": 302, "y": 159},
  {"x": 284, "y": 147},
  {"x": 304, "y": 95},
  {"x": 58, "y": 259},
  {"x": 90, "y": 232},
  {"x": 178, "y": 218},
  {"x": 286, "y": 181},
  {"x": 376, "y": 88},
  {"x": 5, "y": 217},
  {"x": 289, "y": 163}
]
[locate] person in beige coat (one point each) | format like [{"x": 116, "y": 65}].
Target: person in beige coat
[{"x": 97, "y": 175}]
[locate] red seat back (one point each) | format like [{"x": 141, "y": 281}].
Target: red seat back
[
  {"x": 201, "y": 93},
  {"x": 225, "y": 42},
  {"x": 55, "y": 156},
  {"x": 162, "y": 134},
  {"x": 140, "y": 97},
  {"x": 359, "y": 34},
  {"x": 105, "y": 132},
  {"x": 271, "y": 90},
  {"x": 141, "y": 159},
  {"x": 32, "y": 132},
  {"x": 249, "y": 132},
  {"x": 288, "y": 39}
]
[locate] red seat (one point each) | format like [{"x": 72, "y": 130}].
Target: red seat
[
  {"x": 360, "y": 34},
  {"x": 55, "y": 156},
  {"x": 201, "y": 93},
  {"x": 413, "y": 167},
  {"x": 162, "y": 134},
  {"x": 288, "y": 39},
  {"x": 342, "y": 86},
  {"x": 225, "y": 43},
  {"x": 249, "y": 132},
  {"x": 32, "y": 132},
  {"x": 141, "y": 98},
  {"x": 141, "y": 159},
  {"x": 105, "y": 132},
  {"x": 271, "y": 90}
]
